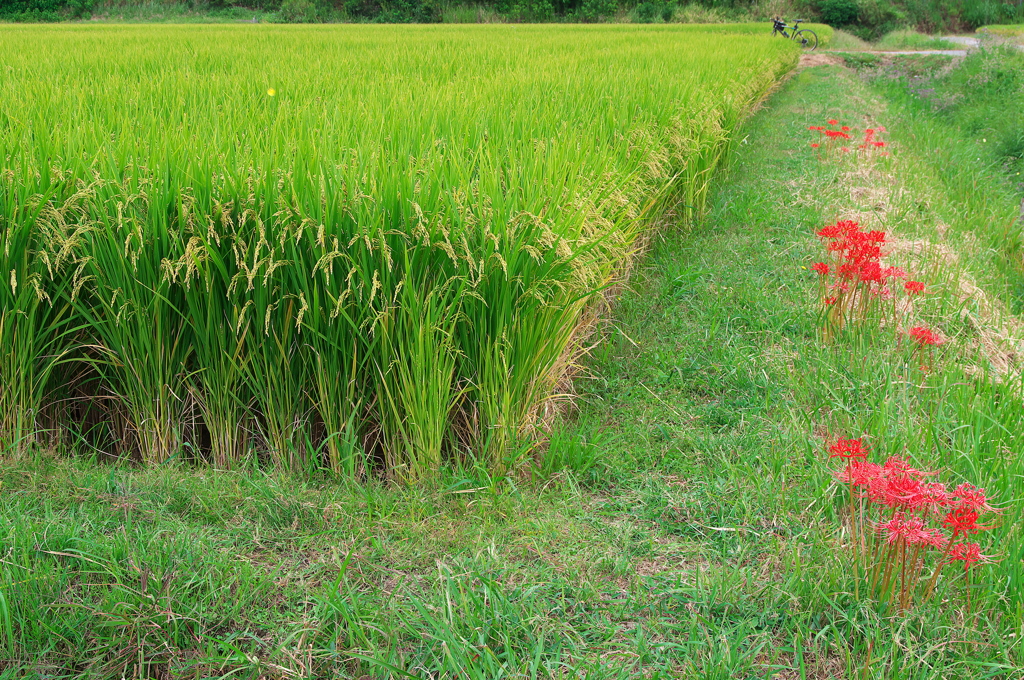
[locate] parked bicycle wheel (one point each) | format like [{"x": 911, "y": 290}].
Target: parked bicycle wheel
[{"x": 807, "y": 38}]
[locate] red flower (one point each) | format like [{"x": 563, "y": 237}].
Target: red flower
[
  {"x": 821, "y": 268},
  {"x": 871, "y": 271},
  {"x": 970, "y": 496},
  {"x": 845, "y": 149},
  {"x": 930, "y": 497},
  {"x": 848, "y": 449},
  {"x": 846, "y": 128},
  {"x": 815, "y": 146},
  {"x": 894, "y": 492},
  {"x": 894, "y": 273},
  {"x": 833, "y": 122},
  {"x": 910, "y": 529},
  {"x": 968, "y": 553},
  {"x": 897, "y": 467},
  {"x": 914, "y": 287},
  {"x": 859, "y": 473},
  {"x": 894, "y": 529},
  {"x": 925, "y": 336},
  {"x": 879, "y": 144},
  {"x": 831, "y": 300},
  {"x": 936, "y": 539},
  {"x": 962, "y": 520}
]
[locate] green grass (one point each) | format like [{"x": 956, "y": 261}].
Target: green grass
[
  {"x": 1003, "y": 30},
  {"x": 847, "y": 42},
  {"x": 983, "y": 99},
  {"x": 910, "y": 40},
  {"x": 899, "y": 40},
  {"x": 685, "y": 524},
  {"x": 343, "y": 248}
]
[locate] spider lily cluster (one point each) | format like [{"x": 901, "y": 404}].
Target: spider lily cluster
[
  {"x": 834, "y": 136},
  {"x": 854, "y": 285},
  {"x": 905, "y": 527}
]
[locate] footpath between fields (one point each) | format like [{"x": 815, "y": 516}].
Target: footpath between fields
[{"x": 726, "y": 378}]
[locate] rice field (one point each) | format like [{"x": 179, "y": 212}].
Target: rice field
[{"x": 343, "y": 248}]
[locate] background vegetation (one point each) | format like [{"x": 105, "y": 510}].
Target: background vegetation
[{"x": 866, "y": 18}]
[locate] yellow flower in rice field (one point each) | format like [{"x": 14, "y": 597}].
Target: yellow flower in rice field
[{"x": 271, "y": 92}]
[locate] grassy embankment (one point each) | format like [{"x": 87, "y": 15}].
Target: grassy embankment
[
  {"x": 1012, "y": 33},
  {"x": 685, "y": 525}
]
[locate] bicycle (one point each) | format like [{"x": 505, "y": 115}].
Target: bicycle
[{"x": 807, "y": 38}]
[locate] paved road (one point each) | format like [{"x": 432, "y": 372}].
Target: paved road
[
  {"x": 974, "y": 43},
  {"x": 948, "y": 53}
]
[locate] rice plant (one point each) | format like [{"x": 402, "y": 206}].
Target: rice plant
[{"x": 349, "y": 248}]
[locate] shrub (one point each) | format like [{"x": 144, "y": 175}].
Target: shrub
[
  {"x": 650, "y": 12},
  {"x": 838, "y": 12},
  {"x": 297, "y": 11},
  {"x": 597, "y": 10}
]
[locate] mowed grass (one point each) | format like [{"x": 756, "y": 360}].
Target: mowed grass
[
  {"x": 684, "y": 522},
  {"x": 363, "y": 250}
]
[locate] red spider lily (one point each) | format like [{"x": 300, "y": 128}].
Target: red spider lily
[
  {"x": 845, "y": 128},
  {"x": 963, "y": 520},
  {"x": 908, "y": 535},
  {"x": 916, "y": 532},
  {"x": 831, "y": 300},
  {"x": 936, "y": 539},
  {"x": 931, "y": 497},
  {"x": 821, "y": 268},
  {"x": 871, "y": 271},
  {"x": 914, "y": 287},
  {"x": 894, "y": 528},
  {"x": 845, "y": 149},
  {"x": 856, "y": 268},
  {"x": 972, "y": 497},
  {"x": 837, "y": 230},
  {"x": 900, "y": 467},
  {"x": 925, "y": 336},
  {"x": 894, "y": 492},
  {"x": 908, "y": 528},
  {"x": 814, "y": 146},
  {"x": 894, "y": 273},
  {"x": 879, "y": 144},
  {"x": 833, "y": 122},
  {"x": 848, "y": 449},
  {"x": 859, "y": 473},
  {"x": 968, "y": 553}
]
